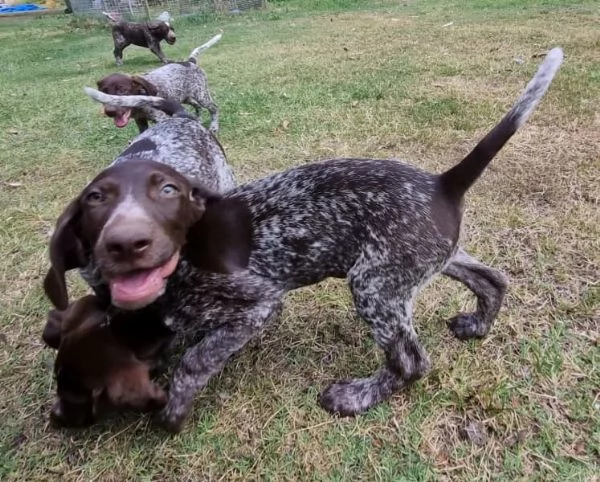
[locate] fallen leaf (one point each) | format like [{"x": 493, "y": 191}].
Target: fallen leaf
[
  {"x": 474, "y": 432},
  {"x": 442, "y": 458},
  {"x": 13, "y": 131},
  {"x": 14, "y": 184},
  {"x": 18, "y": 440},
  {"x": 517, "y": 438},
  {"x": 579, "y": 447}
]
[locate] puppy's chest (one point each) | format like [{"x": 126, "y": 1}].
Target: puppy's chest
[{"x": 198, "y": 300}]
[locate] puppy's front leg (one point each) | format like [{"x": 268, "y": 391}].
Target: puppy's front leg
[
  {"x": 208, "y": 358},
  {"x": 156, "y": 50}
]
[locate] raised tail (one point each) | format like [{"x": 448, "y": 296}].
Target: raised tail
[
  {"x": 457, "y": 180},
  {"x": 113, "y": 18},
  {"x": 168, "y": 106},
  {"x": 198, "y": 50}
]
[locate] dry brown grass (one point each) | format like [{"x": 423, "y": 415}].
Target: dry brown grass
[{"x": 385, "y": 80}]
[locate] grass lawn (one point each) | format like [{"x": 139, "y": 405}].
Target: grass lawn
[{"x": 418, "y": 80}]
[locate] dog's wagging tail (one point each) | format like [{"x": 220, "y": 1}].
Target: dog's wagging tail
[{"x": 457, "y": 180}]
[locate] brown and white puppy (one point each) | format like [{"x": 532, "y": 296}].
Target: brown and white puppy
[
  {"x": 183, "y": 82},
  {"x": 102, "y": 363}
]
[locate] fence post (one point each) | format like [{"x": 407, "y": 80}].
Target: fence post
[{"x": 146, "y": 8}]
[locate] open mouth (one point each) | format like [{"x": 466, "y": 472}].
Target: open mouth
[
  {"x": 141, "y": 287},
  {"x": 121, "y": 119}
]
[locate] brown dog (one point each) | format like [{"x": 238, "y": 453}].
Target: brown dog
[
  {"x": 146, "y": 34},
  {"x": 102, "y": 362}
]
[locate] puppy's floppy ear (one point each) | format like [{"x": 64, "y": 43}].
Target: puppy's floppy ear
[
  {"x": 52, "y": 330},
  {"x": 142, "y": 87},
  {"x": 201, "y": 197},
  {"x": 221, "y": 239},
  {"x": 159, "y": 28},
  {"x": 66, "y": 252}
]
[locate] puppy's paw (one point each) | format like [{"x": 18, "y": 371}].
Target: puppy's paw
[
  {"x": 466, "y": 326},
  {"x": 348, "y": 398},
  {"x": 170, "y": 421}
]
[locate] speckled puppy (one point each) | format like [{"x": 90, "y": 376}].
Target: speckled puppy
[
  {"x": 184, "y": 82},
  {"x": 385, "y": 226}
]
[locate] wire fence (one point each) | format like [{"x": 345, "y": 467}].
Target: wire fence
[{"x": 151, "y": 9}]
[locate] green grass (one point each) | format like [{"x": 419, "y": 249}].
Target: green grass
[{"x": 379, "y": 79}]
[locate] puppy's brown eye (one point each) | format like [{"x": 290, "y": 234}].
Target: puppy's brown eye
[
  {"x": 95, "y": 197},
  {"x": 169, "y": 190}
]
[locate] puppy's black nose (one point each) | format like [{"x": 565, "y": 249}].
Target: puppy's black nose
[{"x": 124, "y": 243}]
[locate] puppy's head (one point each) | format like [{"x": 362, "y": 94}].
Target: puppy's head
[
  {"x": 163, "y": 31},
  {"x": 132, "y": 220},
  {"x": 121, "y": 84},
  {"x": 94, "y": 372}
]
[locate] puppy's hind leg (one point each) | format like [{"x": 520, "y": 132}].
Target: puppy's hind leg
[
  {"x": 214, "y": 116},
  {"x": 212, "y": 109},
  {"x": 488, "y": 284},
  {"x": 385, "y": 302}
]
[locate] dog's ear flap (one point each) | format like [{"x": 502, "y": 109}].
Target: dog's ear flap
[
  {"x": 66, "y": 253},
  {"x": 159, "y": 27},
  {"x": 221, "y": 239},
  {"x": 201, "y": 197},
  {"x": 142, "y": 87}
]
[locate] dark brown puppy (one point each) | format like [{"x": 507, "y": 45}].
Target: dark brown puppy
[
  {"x": 145, "y": 34},
  {"x": 102, "y": 364}
]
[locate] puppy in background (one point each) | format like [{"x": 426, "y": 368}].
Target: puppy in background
[
  {"x": 183, "y": 82},
  {"x": 144, "y": 34}
]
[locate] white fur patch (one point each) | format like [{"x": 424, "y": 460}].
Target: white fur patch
[{"x": 130, "y": 209}]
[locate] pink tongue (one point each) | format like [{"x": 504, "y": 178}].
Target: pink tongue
[
  {"x": 142, "y": 286},
  {"x": 136, "y": 286},
  {"x": 122, "y": 119}
]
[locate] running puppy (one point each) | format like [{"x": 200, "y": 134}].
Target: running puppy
[
  {"x": 384, "y": 225},
  {"x": 145, "y": 34},
  {"x": 184, "y": 82}
]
